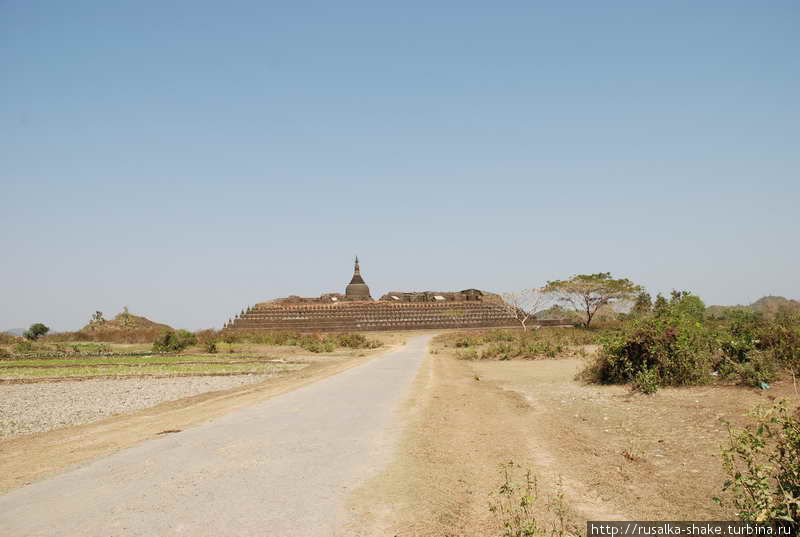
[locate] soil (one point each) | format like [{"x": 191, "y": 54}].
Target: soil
[{"x": 613, "y": 454}]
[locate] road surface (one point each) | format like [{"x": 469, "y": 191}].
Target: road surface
[{"x": 281, "y": 468}]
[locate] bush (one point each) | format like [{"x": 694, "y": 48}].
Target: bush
[
  {"x": 110, "y": 335},
  {"x": 517, "y": 502},
  {"x": 646, "y": 382},
  {"x": 7, "y": 339},
  {"x": 36, "y": 331},
  {"x": 313, "y": 343},
  {"x": 470, "y": 354},
  {"x": 23, "y": 346},
  {"x": 672, "y": 347},
  {"x": 782, "y": 338},
  {"x": 356, "y": 341},
  {"x": 755, "y": 348},
  {"x": 174, "y": 341},
  {"x": 763, "y": 464}
]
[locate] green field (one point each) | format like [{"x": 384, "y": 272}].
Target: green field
[
  {"x": 128, "y": 360},
  {"x": 162, "y": 366}
]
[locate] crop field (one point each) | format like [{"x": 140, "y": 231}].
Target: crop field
[{"x": 88, "y": 367}]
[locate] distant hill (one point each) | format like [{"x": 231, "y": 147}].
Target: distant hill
[
  {"x": 557, "y": 312},
  {"x": 15, "y": 331},
  {"x": 124, "y": 321},
  {"x": 766, "y": 305}
]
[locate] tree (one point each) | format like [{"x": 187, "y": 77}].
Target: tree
[
  {"x": 97, "y": 319},
  {"x": 681, "y": 303},
  {"x": 524, "y": 304},
  {"x": 125, "y": 318},
  {"x": 36, "y": 331},
  {"x": 587, "y": 292},
  {"x": 643, "y": 304}
]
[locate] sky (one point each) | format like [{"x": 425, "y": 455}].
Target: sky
[{"x": 189, "y": 158}]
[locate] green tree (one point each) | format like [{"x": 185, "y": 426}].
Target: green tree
[
  {"x": 643, "y": 304},
  {"x": 680, "y": 303},
  {"x": 36, "y": 331},
  {"x": 587, "y": 292},
  {"x": 688, "y": 304}
]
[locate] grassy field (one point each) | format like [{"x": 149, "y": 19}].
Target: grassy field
[
  {"x": 132, "y": 360},
  {"x": 144, "y": 369},
  {"x": 80, "y": 366}
]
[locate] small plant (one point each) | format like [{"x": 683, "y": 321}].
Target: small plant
[
  {"x": 646, "y": 382},
  {"x": 513, "y": 503},
  {"x": 763, "y": 465},
  {"x": 211, "y": 347},
  {"x": 470, "y": 354}
]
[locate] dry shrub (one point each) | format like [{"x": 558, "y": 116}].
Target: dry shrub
[{"x": 112, "y": 335}]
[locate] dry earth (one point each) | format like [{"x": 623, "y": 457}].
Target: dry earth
[
  {"x": 616, "y": 455},
  {"x": 40, "y": 407}
]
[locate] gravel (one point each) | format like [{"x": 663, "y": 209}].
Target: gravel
[{"x": 33, "y": 408}]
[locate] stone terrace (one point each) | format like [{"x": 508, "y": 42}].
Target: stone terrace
[{"x": 361, "y": 316}]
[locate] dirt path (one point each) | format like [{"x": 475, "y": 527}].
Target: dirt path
[
  {"x": 614, "y": 455},
  {"x": 457, "y": 430}
]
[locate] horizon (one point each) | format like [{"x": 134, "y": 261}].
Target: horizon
[{"x": 188, "y": 160}]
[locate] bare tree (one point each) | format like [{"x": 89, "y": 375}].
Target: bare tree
[{"x": 524, "y": 304}]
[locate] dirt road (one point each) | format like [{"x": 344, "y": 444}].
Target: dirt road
[{"x": 282, "y": 467}]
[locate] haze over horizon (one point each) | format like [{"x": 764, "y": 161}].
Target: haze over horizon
[{"x": 189, "y": 159}]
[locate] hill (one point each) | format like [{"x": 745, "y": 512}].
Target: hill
[
  {"x": 14, "y": 331},
  {"x": 122, "y": 321},
  {"x": 766, "y": 305}
]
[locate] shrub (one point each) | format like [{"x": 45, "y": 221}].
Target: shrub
[
  {"x": 316, "y": 344},
  {"x": 356, "y": 341},
  {"x": 672, "y": 347},
  {"x": 110, "y": 335},
  {"x": 211, "y": 347},
  {"x": 514, "y": 503},
  {"x": 763, "y": 464},
  {"x": 36, "y": 331},
  {"x": 174, "y": 341},
  {"x": 646, "y": 381},
  {"x": 755, "y": 348},
  {"x": 91, "y": 348},
  {"x": 499, "y": 335},
  {"x": 23, "y": 346},
  {"x": 7, "y": 339},
  {"x": 517, "y": 500},
  {"x": 782, "y": 338},
  {"x": 470, "y": 354}
]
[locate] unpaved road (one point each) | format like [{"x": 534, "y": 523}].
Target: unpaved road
[{"x": 283, "y": 467}]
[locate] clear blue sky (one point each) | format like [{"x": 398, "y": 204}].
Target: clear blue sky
[{"x": 189, "y": 158}]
